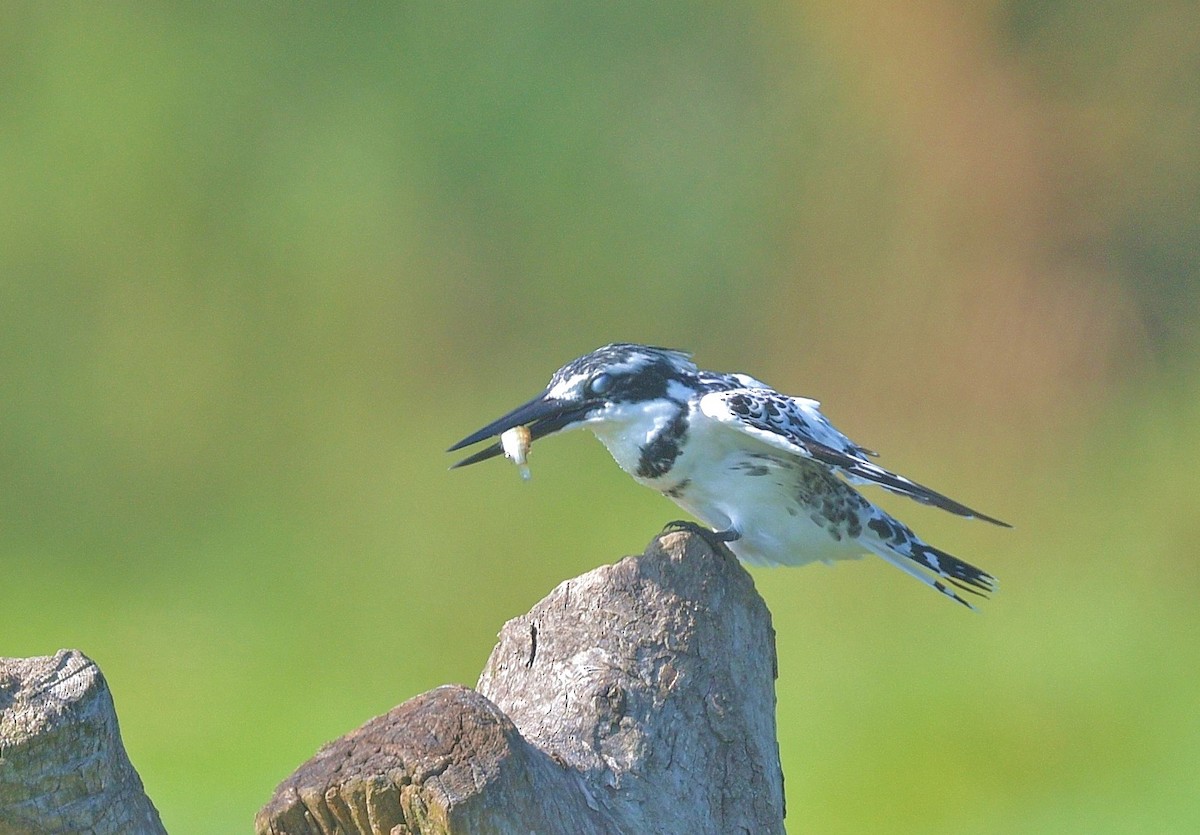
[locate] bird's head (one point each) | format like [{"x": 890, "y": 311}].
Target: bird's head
[{"x": 607, "y": 386}]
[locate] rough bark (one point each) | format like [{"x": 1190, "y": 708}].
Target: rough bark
[
  {"x": 637, "y": 698},
  {"x": 63, "y": 767}
]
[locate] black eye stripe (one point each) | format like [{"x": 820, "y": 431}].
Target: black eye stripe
[{"x": 648, "y": 384}]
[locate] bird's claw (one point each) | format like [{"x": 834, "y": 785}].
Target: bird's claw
[{"x": 716, "y": 540}]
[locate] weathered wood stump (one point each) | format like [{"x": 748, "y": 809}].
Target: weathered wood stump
[
  {"x": 63, "y": 767},
  {"x": 637, "y": 698}
]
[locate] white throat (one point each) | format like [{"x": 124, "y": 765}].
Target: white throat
[{"x": 626, "y": 429}]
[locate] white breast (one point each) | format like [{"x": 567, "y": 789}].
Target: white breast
[{"x": 727, "y": 480}]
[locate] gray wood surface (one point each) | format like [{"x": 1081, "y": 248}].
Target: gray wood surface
[
  {"x": 63, "y": 768},
  {"x": 636, "y": 698}
]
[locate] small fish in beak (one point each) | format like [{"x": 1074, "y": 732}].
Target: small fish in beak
[
  {"x": 543, "y": 415},
  {"x": 516, "y": 443}
]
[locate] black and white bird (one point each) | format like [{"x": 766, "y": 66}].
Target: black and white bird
[{"x": 767, "y": 472}]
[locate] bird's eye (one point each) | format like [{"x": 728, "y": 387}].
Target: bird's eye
[{"x": 599, "y": 384}]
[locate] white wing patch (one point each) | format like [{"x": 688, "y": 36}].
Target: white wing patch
[{"x": 796, "y": 426}]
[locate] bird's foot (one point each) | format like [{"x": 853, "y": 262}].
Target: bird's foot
[{"x": 716, "y": 540}]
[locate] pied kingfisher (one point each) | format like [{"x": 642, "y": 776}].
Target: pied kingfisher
[{"x": 768, "y": 472}]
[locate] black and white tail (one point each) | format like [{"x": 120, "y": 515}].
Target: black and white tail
[{"x": 895, "y": 542}]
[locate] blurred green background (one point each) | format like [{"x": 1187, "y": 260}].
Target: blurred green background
[{"x": 261, "y": 264}]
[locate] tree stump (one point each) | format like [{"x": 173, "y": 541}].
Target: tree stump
[
  {"x": 637, "y": 698},
  {"x": 63, "y": 767}
]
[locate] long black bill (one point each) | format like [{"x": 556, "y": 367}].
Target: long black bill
[{"x": 543, "y": 415}]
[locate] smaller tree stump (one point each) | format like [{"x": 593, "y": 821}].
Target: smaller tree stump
[
  {"x": 637, "y": 698},
  {"x": 63, "y": 767}
]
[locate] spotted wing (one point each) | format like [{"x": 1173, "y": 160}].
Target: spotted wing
[{"x": 796, "y": 426}]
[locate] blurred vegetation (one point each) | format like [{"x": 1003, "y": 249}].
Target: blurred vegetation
[{"x": 261, "y": 264}]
